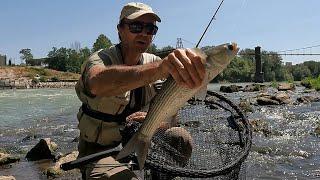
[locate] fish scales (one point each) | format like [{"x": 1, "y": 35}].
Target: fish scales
[{"x": 172, "y": 97}]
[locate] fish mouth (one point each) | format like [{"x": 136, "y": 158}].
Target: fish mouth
[{"x": 232, "y": 47}]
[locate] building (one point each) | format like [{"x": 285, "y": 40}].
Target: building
[
  {"x": 3, "y": 60},
  {"x": 288, "y": 63}
]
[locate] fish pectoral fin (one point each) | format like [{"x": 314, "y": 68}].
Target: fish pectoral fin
[
  {"x": 142, "y": 152},
  {"x": 138, "y": 145},
  {"x": 201, "y": 94}
]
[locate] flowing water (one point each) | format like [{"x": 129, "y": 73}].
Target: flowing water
[{"x": 290, "y": 151}]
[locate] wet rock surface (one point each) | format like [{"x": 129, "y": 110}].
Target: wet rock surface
[
  {"x": 8, "y": 159},
  {"x": 43, "y": 150}
]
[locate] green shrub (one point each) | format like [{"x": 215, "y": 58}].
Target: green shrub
[
  {"x": 274, "y": 84},
  {"x": 43, "y": 79},
  {"x": 55, "y": 79}
]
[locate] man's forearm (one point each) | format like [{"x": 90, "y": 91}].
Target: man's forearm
[{"x": 117, "y": 79}]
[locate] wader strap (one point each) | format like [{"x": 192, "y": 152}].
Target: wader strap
[
  {"x": 119, "y": 118},
  {"x": 102, "y": 116}
]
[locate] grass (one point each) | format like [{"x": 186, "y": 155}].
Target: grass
[
  {"x": 312, "y": 82},
  {"x": 45, "y": 74}
]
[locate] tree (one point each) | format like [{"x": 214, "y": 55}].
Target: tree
[
  {"x": 102, "y": 42},
  {"x": 152, "y": 49},
  {"x": 26, "y": 55},
  {"x": 69, "y": 60}
]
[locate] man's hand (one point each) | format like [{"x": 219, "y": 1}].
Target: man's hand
[
  {"x": 137, "y": 116},
  {"x": 186, "y": 68}
]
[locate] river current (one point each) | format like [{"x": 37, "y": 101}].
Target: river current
[{"x": 291, "y": 151}]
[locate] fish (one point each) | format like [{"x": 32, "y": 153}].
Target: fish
[{"x": 172, "y": 97}]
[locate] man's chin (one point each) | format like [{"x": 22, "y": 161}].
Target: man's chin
[{"x": 141, "y": 49}]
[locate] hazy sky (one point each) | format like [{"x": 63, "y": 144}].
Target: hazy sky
[{"x": 272, "y": 24}]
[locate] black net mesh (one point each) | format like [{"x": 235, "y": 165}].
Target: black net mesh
[{"x": 220, "y": 142}]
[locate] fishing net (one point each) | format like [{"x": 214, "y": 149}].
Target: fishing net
[
  {"x": 220, "y": 142},
  {"x": 212, "y": 142}
]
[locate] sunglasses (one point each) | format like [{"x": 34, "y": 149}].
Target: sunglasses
[{"x": 137, "y": 27}]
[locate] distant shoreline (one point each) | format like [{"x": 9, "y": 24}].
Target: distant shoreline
[{"x": 28, "y": 84}]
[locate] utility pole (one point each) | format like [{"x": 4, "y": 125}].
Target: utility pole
[{"x": 259, "y": 74}]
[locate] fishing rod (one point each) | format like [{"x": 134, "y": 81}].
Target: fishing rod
[
  {"x": 166, "y": 52},
  {"x": 213, "y": 17}
]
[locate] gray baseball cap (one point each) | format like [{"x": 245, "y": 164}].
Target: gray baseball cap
[{"x": 134, "y": 10}]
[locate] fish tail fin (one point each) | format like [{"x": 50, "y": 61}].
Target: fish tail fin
[{"x": 138, "y": 145}]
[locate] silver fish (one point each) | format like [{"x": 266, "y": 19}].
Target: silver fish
[{"x": 172, "y": 97}]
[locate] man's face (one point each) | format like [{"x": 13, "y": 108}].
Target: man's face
[{"x": 137, "y": 41}]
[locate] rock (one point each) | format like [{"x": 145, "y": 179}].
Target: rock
[
  {"x": 253, "y": 87},
  {"x": 308, "y": 99},
  {"x": 55, "y": 170},
  {"x": 266, "y": 101},
  {"x": 29, "y": 137},
  {"x": 317, "y": 131},
  {"x": 260, "y": 126},
  {"x": 282, "y": 98},
  {"x": 193, "y": 124},
  {"x": 42, "y": 150},
  {"x": 309, "y": 90},
  {"x": 229, "y": 89},
  {"x": 75, "y": 139},
  {"x": 245, "y": 105},
  {"x": 7, "y": 159},
  {"x": 7, "y": 178},
  {"x": 286, "y": 86}
]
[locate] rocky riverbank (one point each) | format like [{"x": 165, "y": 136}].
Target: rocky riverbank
[{"x": 24, "y": 83}]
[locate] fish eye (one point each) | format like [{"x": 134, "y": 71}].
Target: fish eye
[{"x": 230, "y": 47}]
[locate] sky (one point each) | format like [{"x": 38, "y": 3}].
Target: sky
[{"x": 274, "y": 25}]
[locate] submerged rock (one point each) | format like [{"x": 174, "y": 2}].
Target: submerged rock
[
  {"x": 317, "y": 131},
  {"x": 193, "y": 124},
  {"x": 55, "y": 170},
  {"x": 259, "y": 125},
  {"x": 7, "y": 159},
  {"x": 42, "y": 150}
]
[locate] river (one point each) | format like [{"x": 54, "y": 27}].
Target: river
[{"x": 291, "y": 152}]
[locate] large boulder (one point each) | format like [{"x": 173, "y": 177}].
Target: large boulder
[
  {"x": 55, "y": 170},
  {"x": 7, "y": 159},
  {"x": 43, "y": 150}
]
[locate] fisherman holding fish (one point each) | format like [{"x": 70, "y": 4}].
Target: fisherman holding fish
[{"x": 118, "y": 83}]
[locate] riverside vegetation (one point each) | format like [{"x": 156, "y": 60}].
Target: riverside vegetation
[{"x": 241, "y": 69}]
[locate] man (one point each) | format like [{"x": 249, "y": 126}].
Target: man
[{"x": 118, "y": 82}]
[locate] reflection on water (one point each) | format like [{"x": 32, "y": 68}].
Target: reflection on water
[{"x": 290, "y": 151}]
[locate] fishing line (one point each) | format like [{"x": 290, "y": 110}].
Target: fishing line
[{"x": 213, "y": 17}]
